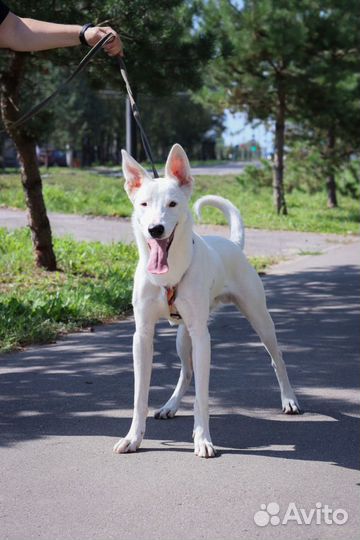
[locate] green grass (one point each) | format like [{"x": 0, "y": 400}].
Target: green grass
[
  {"x": 306, "y": 212},
  {"x": 71, "y": 191},
  {"x": 93, "y": 285},
  {"x": 86, "y": 192},
  {"x": 309, "y": 252}
]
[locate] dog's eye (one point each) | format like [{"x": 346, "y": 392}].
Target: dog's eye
[
  {"x": 143, "y": 204},
  {"x": 172, "y": 204}
]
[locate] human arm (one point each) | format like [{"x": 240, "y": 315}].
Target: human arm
[{"x": 21, "y": 34}]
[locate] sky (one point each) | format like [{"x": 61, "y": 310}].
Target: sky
[{"x": 239, "y": 131}]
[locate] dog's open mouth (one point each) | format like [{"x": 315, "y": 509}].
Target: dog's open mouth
[{"x": 159, "y": 249}]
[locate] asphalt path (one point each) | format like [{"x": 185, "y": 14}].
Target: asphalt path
[
  {"x": 64, "y": 406},
  {"x": 220, "y": 169},
  {"x": 257, "y": 242}
]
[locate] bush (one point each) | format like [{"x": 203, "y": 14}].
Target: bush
[
  {"x": 255, "y": 177},
  {"x": 348, "y": 180},
  {"x": 304, "y": 169}
]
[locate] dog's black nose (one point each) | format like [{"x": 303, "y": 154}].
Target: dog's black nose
[{"x": 156, "y": 231}]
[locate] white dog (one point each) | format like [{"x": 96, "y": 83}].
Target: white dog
[{"x": 182, "y": 277}]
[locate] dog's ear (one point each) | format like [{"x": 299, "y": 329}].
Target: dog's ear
[
  {"x": 134, "y": 174},
  {"x": 178, "y": 167}
]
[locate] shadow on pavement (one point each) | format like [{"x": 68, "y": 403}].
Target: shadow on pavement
[{"x": 84, "y": 384}]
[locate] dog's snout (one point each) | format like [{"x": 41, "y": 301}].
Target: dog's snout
[{"x": 156, "y": 230}]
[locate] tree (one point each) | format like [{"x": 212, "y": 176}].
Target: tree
[
  {"x": 261, "y": 47},
  {"x": 329, "y": 105},
  {"x": 100, "y": 115},
  {"x": 30, "y": 176},
  {"x": 290, "y": 61},
  {"x": 90, "y": 122},
  {"x": 182, "y": 121},
  {"x": 19, "y": 79},
  {"x": 157, "y": 31}
]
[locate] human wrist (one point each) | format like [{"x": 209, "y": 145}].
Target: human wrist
[{"x": 82, "y": 37}]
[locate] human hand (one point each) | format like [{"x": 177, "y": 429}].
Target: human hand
[{"x": 95, "y": 33}]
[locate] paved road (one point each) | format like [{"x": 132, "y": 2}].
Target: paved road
[
  {"x": 66, "y": 404},
  {"x": 258, "y": 242},
  {"x": 230, "y": 167}
]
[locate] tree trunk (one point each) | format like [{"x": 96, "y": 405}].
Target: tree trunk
[
  {"x": 278, "y": 166},
  {"x": 30, "y": 174},
  {"x": 330, "y": 175}
]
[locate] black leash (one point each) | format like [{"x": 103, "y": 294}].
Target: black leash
[
  {"x": 84, "y": 62},
  {"x": 136, "y": 115}
]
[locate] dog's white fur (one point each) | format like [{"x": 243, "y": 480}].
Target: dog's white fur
[{"x": 207, "y": 271}]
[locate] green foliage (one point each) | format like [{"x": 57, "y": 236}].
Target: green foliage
[
  {"x": 93, "y": 284},
  {"x": 148, "y": 29},
  {"x": 101, "y": 136},
  {"x": 255, "y": 177},
  {"x": 299, "y": 59},
  {"x": 178, "y": 119},
  {"x": 259, "y": 49},
  {"x": 304, "y": 169},
  {"x": 304, "y": 172},
  {"x": 89, "y": 115},
  {"x": 330, "y": 99},
  {"x": 349, "y": 180},
  {"x": 160, "y": 31}
]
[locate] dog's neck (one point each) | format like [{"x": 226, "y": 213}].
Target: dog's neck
[{"x": 180, "y": 253}]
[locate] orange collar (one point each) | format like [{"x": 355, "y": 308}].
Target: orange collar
[{"x": 171, "y": 296}]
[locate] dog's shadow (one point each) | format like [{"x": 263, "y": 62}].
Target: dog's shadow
[{"x": 311, "y": 436}]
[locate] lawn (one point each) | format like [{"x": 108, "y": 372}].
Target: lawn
[
  {"x": 93, "y": 285},
  {"x": 87, "y": 192}
]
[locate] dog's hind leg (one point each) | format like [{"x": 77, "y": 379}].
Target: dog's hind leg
[
  {"x": 257, "y": 314},
  {"x": 183, "y": 347}
]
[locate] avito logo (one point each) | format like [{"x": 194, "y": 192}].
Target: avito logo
[{"x": 319, "y": 515}]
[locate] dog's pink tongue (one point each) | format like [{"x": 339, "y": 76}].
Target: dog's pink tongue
[{"x": 158, "y": 256}]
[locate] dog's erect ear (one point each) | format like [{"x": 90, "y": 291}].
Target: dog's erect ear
[
  {"x": 178, "y": 167},
  {"x": 134, "y": 174}
]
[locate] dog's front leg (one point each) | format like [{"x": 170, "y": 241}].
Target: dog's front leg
[
  {"x": 195, "y": 313},
  {"x": 200, "y": 338},
  {"x": 143, "y": 354}
]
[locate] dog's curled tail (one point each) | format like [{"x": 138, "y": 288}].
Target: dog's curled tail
[{"x": 232, "y": 214}]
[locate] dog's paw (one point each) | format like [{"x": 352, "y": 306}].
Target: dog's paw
[
  {"x": 127, "y": 445},
  {"x": 291, "y": 406},
  {"x": 167, "y": 411},
  {"x": 204, "y": 447}
]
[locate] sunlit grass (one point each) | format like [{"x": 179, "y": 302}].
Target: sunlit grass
[
  {"x": 93, "y": 284},
  {"x": 87, "y": 192}
]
